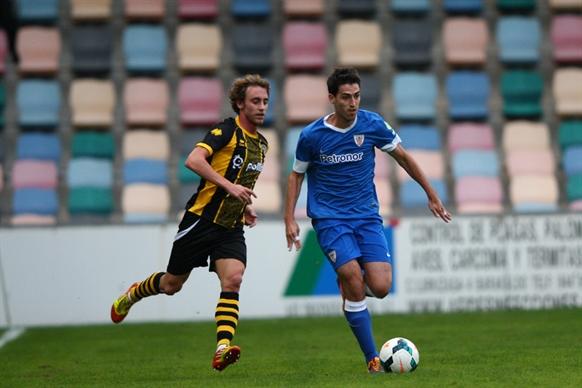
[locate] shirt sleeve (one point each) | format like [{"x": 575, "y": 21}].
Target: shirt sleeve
[
  {"x": 216, "y": 139},
  {"x": 302, "y": 154},
  {"x": 388, "y": 139}
]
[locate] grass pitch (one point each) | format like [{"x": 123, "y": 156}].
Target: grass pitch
[{"x": 510, "y": 348}]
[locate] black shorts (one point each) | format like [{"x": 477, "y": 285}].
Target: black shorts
[{"x": 199, "y": 239}]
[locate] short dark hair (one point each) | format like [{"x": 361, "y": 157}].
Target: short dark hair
[
  {"x": 342, "y": 76},
  {"x": 238, "y": 89}
]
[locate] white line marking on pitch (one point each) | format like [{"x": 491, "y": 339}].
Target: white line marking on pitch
[{"x": 11, "y": 335}]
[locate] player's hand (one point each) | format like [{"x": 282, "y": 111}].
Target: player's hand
[
  {"x": 292, "y": 235},
  {"x": 250, "y": 216},
  {"x": 243, "y": 194},
  {"x": 438, "y": 210}
]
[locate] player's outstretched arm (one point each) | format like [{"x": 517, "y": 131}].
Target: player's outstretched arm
[
  {"x": 407, "y": 162},
  {"x": 291, "y": 228}
]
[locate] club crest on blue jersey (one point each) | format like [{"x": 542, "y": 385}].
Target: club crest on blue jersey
[{"x": 359, "y": 140}]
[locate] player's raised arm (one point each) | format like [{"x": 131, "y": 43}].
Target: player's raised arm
[
  {"x": 291, "y": 228},
  {"x": 407, "y": 162}
]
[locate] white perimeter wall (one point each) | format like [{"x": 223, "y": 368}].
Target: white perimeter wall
[{"x": 70, "y": 275}]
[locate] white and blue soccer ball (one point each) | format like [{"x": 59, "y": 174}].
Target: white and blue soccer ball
[{"x": 399, "y": 355}]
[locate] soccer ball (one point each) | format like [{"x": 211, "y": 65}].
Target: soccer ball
[{"x": 399, "y": 355}]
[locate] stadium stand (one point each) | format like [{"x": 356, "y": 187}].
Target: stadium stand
[
  {"x": 252, "y": 45},
  {"x": 463, "y": 6},
  {"x": 198, "y": 9},
  {"x": 415, "y": 95},
  {"x": 410, "y": 6},
  {"x": 90, "y": 10},
  {"x": 304, "y": 44},
  {"x": 305, "y": 98},
  {"x": 92, "y": 49},
  {"x": 37, "y": 11},
  {"x": 567, "y": 91},
  {"x": 146, "y": 102},
  {"x": 465, "y": 41},
  {"x": 250, "y": 8},
  {"x": 199, "y": 100},
  {"x": 303, "y": 8},
  {"x": 92, "y": 102},
  {"x": 198, "y": 47},
  {"x": 358, "y": 43},
  {"x": 566, "y": 35},
  {"x": 412, "y": 41},
  {"x": 518, "y": 39},
  {"x": 356, "y": 8},
  {"x": 568, "y": 5},
  {"x": 39, "y": 103},
  {"x": 3, "y": 50},
  {"x": 39, "y": 49},
  {"x": 145, "y": 9},
  {"x": 468, "y": 95},
  {"x": 522, "y": 92},
  {"x": 145, "y": 48}
]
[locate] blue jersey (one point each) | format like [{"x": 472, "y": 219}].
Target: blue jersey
[{"x": 339, "y": 163}]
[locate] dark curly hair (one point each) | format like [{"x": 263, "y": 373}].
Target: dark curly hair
[{"x": 239, "y": 87}]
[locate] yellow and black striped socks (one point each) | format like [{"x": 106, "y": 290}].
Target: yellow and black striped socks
[
  {"x": 226, "y": 317},
  {"x": 149, "y": 287}
]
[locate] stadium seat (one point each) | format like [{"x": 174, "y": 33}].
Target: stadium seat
[
  {"x": 145, "y": 203},
  {"x": 39, "y": 103},
  {"x": 198, "y": 47},
  {"x": 37, "y": 11},
  {"x": 410, "y": 6},
  {"x": 356, "y": 8},
  {"x": 305, "y": 98},
  {"x": 92, "y": 102},
  {"x": 385, "y": 196},
  {"x": 431, "y": 163},
  {"x": 92, "y": 49},
  {"x": 2, "y": 104},
  {"x": 371, "y": 88},
  {"x": 534, "y": 193},
  {"x": 93, "y": 144},
  {"x": 574, "y": 187},
  {"x": 200, "y": 100},
  {"x": 90, "y": 172},
  {"x": 304, "y": 44},
  {"x": 303, "y": 8},
  {"x": 1, "y": 176},
  {"x": 516, "y": 5},
  {"x": 522, "y": 92},
  {"x": 412, "y": 41},
  {"x": 146, "y": 102},
  {"x": 465, "y": 41},
  {"x": 185, "y": 175},
  {"x": 482, "y": 163},
  {"x": 189, "y": 139},
  {"x": 358, "y": 43},
  {"x": 32, "y": 220},
  {"x": 463, "y": 6},
  {"x": 291, "y": 139},
  {"x": 146, "y": 144},
  {"x": 272, "y": 167},
  {"x": 468, "y": 95},
  {"x": 3, "y": 50},
  {"x": 198, "y": 9},
  {"x": 83, "y": 10},
  {"x": 271, "y": 115},
  {"x": 145, "y": 171},
  {"x": 576, "y": 205},
  {"x": 570, "y": 133},
  {"x": 415, "y": 96},
  {"x": 530, "y": 162},
  {"x": 145, "y": 48},
  {"x": 524, "y": 135},
  {"x": 40, "y": 146},
  {"x": 413, "y": 196},
  {"x": 145, "y": 9},
  {"x": 518, "y": 39},
  {"x": 90, "y": 200},
  {"x": 567, "y": 91},
  {"x": 250, "y": 8},
  {"x": 39, "y": 49},
  {"x": 270, "y": 196},
  {"x": 566, "y": 37},
  {"x": 567, "y": 5},
  {"x": 35, "y": 201},
  {"x": 252, "y": 45},
  {"x": 470, "y": 136},
  {"x": 40, "y": 174},
  {"x": 479, "y": 195},
  {"x": 572, "y": 160},
  {"x": 421, "y": 137}
]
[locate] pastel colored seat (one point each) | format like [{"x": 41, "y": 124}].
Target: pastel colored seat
[
  {"x": 92, "y": 49},
  {"x": 534, "y": 192},
  {"x": 431, "y": 163},
  {"x": 250, "y": 8},
  {"x": 90, "y": 9},
  {"x": 93, "y": 144},
  {"x": 304, "y": 44},
  {"x": 470, "y": 136},
  {"x": 385, "y": 196},
  {"x": 39, "y": 103},
  {"x": 200, "y": 100},
  {"x": 271, "y": 114},
  {"x": 415, "y": 96},
  {"x": 198, "y": 9},
  {"x": 145, "y": 203},
  {"x": 39, "y": 49},
  {"x": 382, "y": 168},
  {"x": 146, "y": 144},
  {"x": 576, "y": 205},
  {"x": 358, "y": 43},
  {"x": 572, "y": 160},
  {"x": 410, "y": 6},
  {"x": 412, "y": 41},
  {"x": 305, "y": 98},
  {"x": 570, "y": 133},
  {"x": 34, "y": 174},
  {"x": 185, "y": 175},
  {"x": 252, "y": 46},
  {"x": 145, "y": 171},
  {"x": 270, "y": 196},
  {"x": 90, "y": 200},
  {"x": 271, "y": 167},
  {"x": 32, "y": 220},
  {"x": 189, "y": 139},
  {"x": 40, "y": 146},
  {"x": 36, "y": 201},
  {"x": 516, "y": 5},
  {"x": 90, "y": 172},
  {"x": 522, "y": 93},
  {"x": 3, "y": 50},
  {"x": 356, "y": 8},
  {"x": 146, "y": 102},
  {"x": 530, "y": 162},
  {"x": 566, "y": 37},
  {"x": 478, "y": 195},
  {"x": 144, "y": 9},
  {"x": 463, "y": 6},
  {"x": 303, "y": 8},
  {"x": 567, "y": 91},
  {"x": 199, "y": 46},
  {"x": 145, "y": 48},
  {"x": 574, "y": 187},
  {"x": 291, "y": 139},
  {"x": 92, "y": 103},
  {"x": 518, "y": 39},
  {"x": 465, "y": 41},
  {"x": 524, "y": 135},
  {"x": 468, "y": 95},
  {"x": 372, "y": 86},
  {"x": 413, "y": 196},
  {"x": 37, "y": 11},
  {"x": 569, "y": 5},
  {"x": 422, "y": 137},
  {"x": 475, "y": 163}
]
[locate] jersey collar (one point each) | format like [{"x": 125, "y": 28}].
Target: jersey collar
[
  {"x": 333, "y": 127},
  {"x": 254, "y": 135}
]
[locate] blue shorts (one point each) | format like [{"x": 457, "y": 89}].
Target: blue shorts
[{"x": 346, "y": 240}]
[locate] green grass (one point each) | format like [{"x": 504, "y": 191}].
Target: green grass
[{"x": 512, "y": 349}]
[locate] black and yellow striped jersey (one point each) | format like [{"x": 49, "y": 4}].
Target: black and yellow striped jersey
[{"x": 237, "y": 155}]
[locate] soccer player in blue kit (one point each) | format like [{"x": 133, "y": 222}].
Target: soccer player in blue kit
[{"x": 337, "y": 153}]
